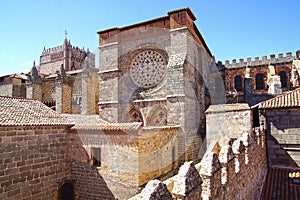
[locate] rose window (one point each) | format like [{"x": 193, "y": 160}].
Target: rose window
[{"x": 148, "y": 69}]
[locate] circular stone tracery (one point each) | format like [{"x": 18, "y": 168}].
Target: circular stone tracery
[{"x": 148, "y": 69}]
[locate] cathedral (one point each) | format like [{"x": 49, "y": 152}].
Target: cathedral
[{"x": 158, "y": 106}]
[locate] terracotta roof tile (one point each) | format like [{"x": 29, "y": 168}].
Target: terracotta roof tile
[
  {"x": 281, "y": 183},
  {"x": 290, "y": 99},
  {"x": 94, "y": 122},
  {"x": 28, "y": 112}
]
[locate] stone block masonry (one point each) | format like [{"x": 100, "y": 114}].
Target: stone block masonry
[
  {"x": 226, "y": 121},
  {"x": 233, "y": 172},
  {"x": 33, "y": 164},
  {"x": 64, "y": 89},
  {"x": 89, "y": 183},
  {"x": 283, "y": 139}
]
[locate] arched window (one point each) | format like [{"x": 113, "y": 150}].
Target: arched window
[
  {"x": 135, "y": 116},
  {"x": 158, "y": 117},
  {"x": 283, "y": 79},
  {"x": 259, "y": 81},
  {"x": 238, "y": 83}
]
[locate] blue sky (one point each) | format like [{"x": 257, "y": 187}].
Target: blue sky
[{"x": 231, "y": 28}]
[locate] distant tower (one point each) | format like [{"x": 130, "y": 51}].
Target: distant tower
[{"x": 71, "y": 57}]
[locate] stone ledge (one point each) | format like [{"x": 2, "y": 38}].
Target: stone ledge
[
  {"x": 147, "y": 100},
  {"x": 227, "y": 108},
  {"x": 108, "y": 71},
  {"x": 107, "y": 45},
  {"x": 108, "y": 102}
]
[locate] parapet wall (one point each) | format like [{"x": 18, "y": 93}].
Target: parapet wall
[
  {"x": 263, "y": 61},
  {"x": 231, "y": 172}
]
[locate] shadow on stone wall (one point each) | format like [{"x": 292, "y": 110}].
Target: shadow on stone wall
[
  {"x": 220, "y": 175},
  {"x": 280, "y": 154},
  {"x": 88, "y": 183},
  {"x": 283, "y": 138}
]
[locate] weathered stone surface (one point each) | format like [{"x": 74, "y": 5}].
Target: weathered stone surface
[
  {"x": 154, "y": 190},
  {"x": 234, "y": 120},
  {"x": 283, "y": 141},
  {"x": 39, "y": 162},
  {"x": 233, "y": 171}
]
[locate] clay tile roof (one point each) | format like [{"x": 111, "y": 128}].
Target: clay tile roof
[
  {"x": 290, "y": 99},
  {"x": 281, "y": 183},
  {"x": 121, "y": 126},
  {"x": 94, "y": 122},
  {"x": 28, "y": 112}
]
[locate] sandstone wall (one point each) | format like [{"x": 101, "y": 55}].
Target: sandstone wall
[
  {"x": 233, "y": 172},
  {"x": 86, "y": 179},
  {"x": 283, "y": 137},
  {"x": 77, "y": 94},
  {"x": 33, "y": 163},
  {"x": 89, "y": 184},
  {"x": 6, "y": 90},
  {"x": 90, "y": 90},
  {"x": 128, "y": 159},
  {"x": 227, "y": 121},
  {"x": 64, "y": 90},
  {"x": 34, "y": 91},
  {"x": 52, "y": 67}
]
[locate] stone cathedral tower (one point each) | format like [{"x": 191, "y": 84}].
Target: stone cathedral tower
[
  {"x": 153, "y": 72},
  {"x": 70, "y": 56}
]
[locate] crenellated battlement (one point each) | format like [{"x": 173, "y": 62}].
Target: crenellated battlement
[
  {"x": 264, "y": 60},
  {"x": 62, "y": 47},
  {"x": 217, "y": 175},
  {"x": 72, "y": 57},
  {"x": 52, "y": 50}
]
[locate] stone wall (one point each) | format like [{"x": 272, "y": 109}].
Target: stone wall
[
  {"x": 283, "y": 136},
  {"x": 86, "y": 179},
  {"x": 77, "y": 93},
  {"x": 89, "y": 184},
  {"x": 64, "y": 90},
  {"x": 119, "y": 160},
  {"x": 33, "y": 163},
  {"x": 234, "y": 171},
  {"x": 90, "y": 90},
  {"x": 158, "y": 153},
  {"x": 129, "y": 159},
  {"x": 6, "y": 90},
  {"x": 227, "y": 121},
  {"x": 12, "y": 87}
]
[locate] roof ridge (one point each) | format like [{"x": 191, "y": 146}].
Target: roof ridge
[
  {"x": 8, "y": 97},
  {"x": 285, "y": 100}
]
